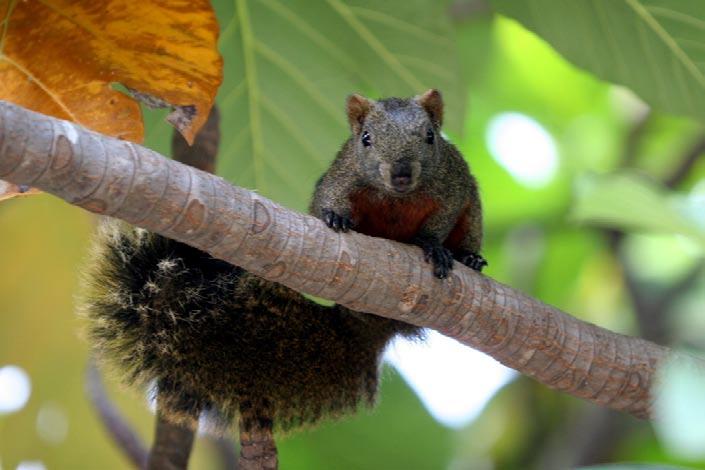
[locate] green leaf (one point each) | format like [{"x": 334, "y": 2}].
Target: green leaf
[
  {"x": 289, "y": 65},
  {"x": 679, "y": 408},
  {"x": 655, "y": 47},
  {"x": 626, "y": 201}
]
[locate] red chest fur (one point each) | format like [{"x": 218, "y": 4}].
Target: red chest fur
[
  {"x": 399, "y": 219},
  {"x": 388, "y": 217}
]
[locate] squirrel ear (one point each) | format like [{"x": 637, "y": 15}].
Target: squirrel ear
[
  {"x": 358, "y": 107},
  {"x": 432, "y": 102}
]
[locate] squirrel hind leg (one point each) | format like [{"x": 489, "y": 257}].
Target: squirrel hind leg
[{"x": 258, "y": 450}]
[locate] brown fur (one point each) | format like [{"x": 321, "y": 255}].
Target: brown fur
[
  {"x": 214, "y": 338},
  {"x": 440, "y": 209}
]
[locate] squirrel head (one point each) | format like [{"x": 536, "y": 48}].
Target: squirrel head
[{"x": 396, "y": 141}]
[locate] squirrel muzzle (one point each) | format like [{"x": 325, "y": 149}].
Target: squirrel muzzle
[{"x": 402, "y": 176}]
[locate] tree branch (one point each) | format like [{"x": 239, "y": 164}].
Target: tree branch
[
  {"x": 124, "y": 180},
  {"x": 591, "y": 437},
  {"x": 225, "y": 449},
  {"x": 172, "y": 444}
]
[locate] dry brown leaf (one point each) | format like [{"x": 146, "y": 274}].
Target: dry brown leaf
[
  {"x": 61, "y": 57},
  {"x": 9, "y": 190}
]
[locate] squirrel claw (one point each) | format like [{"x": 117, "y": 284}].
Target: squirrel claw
[
  {"x": 337, "y": 222},
  {"x": 473, "y": 261},
  {"x": 441, "y": 258}
]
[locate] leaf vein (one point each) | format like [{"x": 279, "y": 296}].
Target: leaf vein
[
  {"x": 288, "y": 126},
  {"x": 248, "y": 49},
  {"x": 44, "y": 88},
  {"x": 668, "y": 40},
  {"x": 401, "y": 25},
  {"x": 317, "y": 38},
  {"x": 299, "y": 78},
  {"x": 676, "y": 15},
  {"x": 6, "y": 25},
  {"x": 375, "y": 44}
]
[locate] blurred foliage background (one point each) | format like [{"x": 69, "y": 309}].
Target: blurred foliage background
[{"x": 593, "y": 203}]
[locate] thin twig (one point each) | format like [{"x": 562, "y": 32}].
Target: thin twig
[
  {"x": 203, "y": 153},
  {"x": 463, "y": 10},
  {"x": 635, "y": 136},
  {"x": 687, "y": 161},
  {"x": 117, "y": 427},
  {"x": 226, "y": 451}
]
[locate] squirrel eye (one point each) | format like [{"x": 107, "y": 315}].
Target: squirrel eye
[
  {"x": 429, "y": 136},
  {"x": 366, "y": 139}
]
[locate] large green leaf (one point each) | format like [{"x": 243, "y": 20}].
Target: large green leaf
[
  {"x": 630, "y": 202},
  {"x": 655, "y": 47},
  {"x": 289, "y": 64}
]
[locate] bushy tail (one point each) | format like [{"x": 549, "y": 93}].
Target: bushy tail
[{"x": 211, "y": 336}]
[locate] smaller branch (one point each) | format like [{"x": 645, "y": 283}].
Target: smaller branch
[
  {"x": 686, "y": 163},
  {"x": 204, "y": 151},
  {"x": 119, "y": 430},
  {"x": 635, "y": 137},
  {"x": 226, "y": 451},
  {"x": 686, "y": 283},
  {"x": 648, "y": 310},
  {"x": 172, "y": 444},
  {"x": 463, "y": 10}
]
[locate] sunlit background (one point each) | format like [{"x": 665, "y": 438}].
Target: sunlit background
[{"x": 534, "y": 129}]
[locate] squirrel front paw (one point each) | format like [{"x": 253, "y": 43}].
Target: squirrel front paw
[
  {"x": 472, "y": 260},
  {"x": 338, "y": 222},
  {"x": 437, "y": 254}
]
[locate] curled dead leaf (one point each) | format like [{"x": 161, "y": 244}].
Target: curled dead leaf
[
  {"x": 61, "y": 57},
  {"x": 9, "y": 190}
]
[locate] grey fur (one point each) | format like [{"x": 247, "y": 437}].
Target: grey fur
[{"x": 398, "y": 130}]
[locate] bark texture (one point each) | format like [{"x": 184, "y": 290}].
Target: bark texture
[
  {"x": 117, "y": 178},
  {"x": 172, "y": 445}
]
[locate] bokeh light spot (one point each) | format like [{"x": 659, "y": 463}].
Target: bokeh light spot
[
  {"x": 15, "y": 388},
  {"x": 444, "y": 374},
  {"x": 523, "y": 147},
  {"x": 31, "y": 465},
  {"x": 52, "y": 424}
]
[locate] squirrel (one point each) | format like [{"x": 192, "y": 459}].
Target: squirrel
[
  {"x": 396, "y": 177},
  {"x": 214, "y": 337}
]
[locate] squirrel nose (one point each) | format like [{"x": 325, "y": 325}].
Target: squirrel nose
[
  {"x": 401, "y": 175},
  {"x": 401, "y": 181}
]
